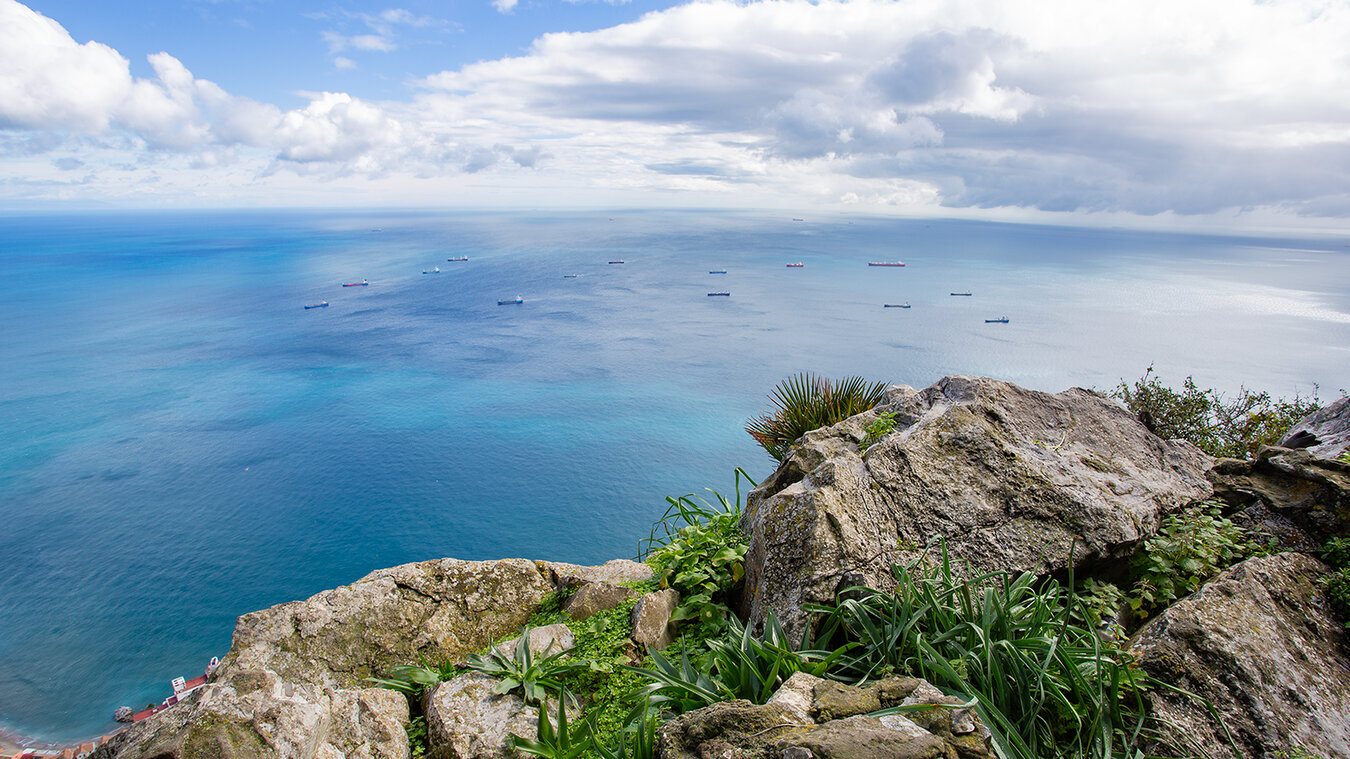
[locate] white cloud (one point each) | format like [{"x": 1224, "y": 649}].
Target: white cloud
[
  {"x": 48, "y": 81},
  {"x": 1088, "y": 106},
  {"x": 505, "y": 6}
]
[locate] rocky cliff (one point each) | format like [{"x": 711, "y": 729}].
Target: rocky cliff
[{"x": 1008, "y": 478}]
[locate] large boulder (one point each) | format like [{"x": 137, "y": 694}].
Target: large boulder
[
  {"x": 810, "y": 717},
  {"x": 1010, "y": 478},
  {"x": 1258, "y": 643},
  {"x": 294, "y": 683}
]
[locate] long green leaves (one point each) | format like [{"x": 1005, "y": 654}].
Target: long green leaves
[
  {"x": 805, "y": 402},
  {"x": 739, "y": 664},
  {"x": 522, "y": 670},
  {"x": 1044, "y": 682}
]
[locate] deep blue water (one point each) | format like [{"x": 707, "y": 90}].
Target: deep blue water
[{"x": 184, "y": 443}]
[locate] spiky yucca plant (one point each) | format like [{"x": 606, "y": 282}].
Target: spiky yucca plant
[{"x": 806, "y": 402}]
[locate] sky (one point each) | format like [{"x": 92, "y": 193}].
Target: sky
[{"x": 1149, "y": 112}]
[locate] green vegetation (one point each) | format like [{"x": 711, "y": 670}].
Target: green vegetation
[
  {"x": 1042, "y": 664},
  {"x": 1234, "y": 428},
  {"x": 736, "y": 665},
  {"x": 1336, "y": 553},
  {"x": 1043, "y": 682},
  {"x": 698, "y": 549},
  {"x": 533, "y": 676},
  {"x": 805, "y": 402},
  {"x": 1190, "y": 547},
  {"x": 884, "y": 425}
]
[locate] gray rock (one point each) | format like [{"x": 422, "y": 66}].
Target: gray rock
[
  {"x": 1289, "y": 492},
  {"x": 442, "y": 609},
  {"x": 811, "y": 717},
  {"x": 294, "y": 682},
  {"x": 466, "y": 720},
  {"x": 1330, "y": 425},
  {"x": 651, "y": 619},
  {"x": 595, "y": 597},
  {"x": 260, "y": 717},
  {"x": 1010, "y": 478},
  {"x": 614, "y": 572},
  {"x": 544, "y": 641},
  {"x": 1258, "y": 642}
]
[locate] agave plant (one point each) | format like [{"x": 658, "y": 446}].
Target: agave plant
[
  {"x": 806, "y": 402},
  {"x": 413, "y": 679},
  {"x": 522, "y": 670}
]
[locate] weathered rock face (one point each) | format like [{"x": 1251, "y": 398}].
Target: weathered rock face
[
  {"x": 1310, "y": 493},
  {"x": 651, "y": 619},
  {"x": 1258, "y": 642},
  {"x": 293, "y": 683},
  {"x": 809, "y": 717},
  {"x": 1327, "y": 429},
  {"x": 260, "y": 716},
  {"x": 595, "y": 597},
  {"x": 1011, "y": 478},
  {"x": 466, "y": 720}
]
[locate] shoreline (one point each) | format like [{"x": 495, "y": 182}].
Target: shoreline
[{"x": 13, "y": 744}]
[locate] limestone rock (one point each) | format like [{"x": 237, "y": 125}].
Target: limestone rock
[
  {"x": 1329, "y": 427},
  {"x": 544, "y": 641},
  {"x": 1259, "y": 643},
  {"x": 438, "y": 609},
  {"x": 595, "y": 597},
  {"x": 614, "y": 572},
  {"x": 651, "y": 619},
  {"x": 294, "y": 682},
  {"x": 810, "y": 717},
  {"x": 1011, "y": 478},
  {"x": 260, "y": 717},
  {"x": 466, "y": 720}
]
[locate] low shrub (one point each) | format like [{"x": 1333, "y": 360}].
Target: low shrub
[{"x": 1235, "y": 428}]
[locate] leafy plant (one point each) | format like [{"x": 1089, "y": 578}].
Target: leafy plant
[
  {"x": 534, "y": 677},
  {"x": 705, "y": 557},
  {"x": 1235, "y": 428},
  {"x": 1191, "y": 547},
  {"x": 608, "y": 686},
  {"x": 884, "y": 425},
  {"x": 561, "y": 742},
  {"x": 417, "y": 737},
  {"x": 1336, "y": 553},
  {"x": 1099, "y": 603},
  {"x": 738, "y": 664},
  {"x": 413, "y": 679},
  {"x": 805, "y": 402},
  {"x": 1337, "y": 586},
  {"x": 1044, "y": 683},
  {"x": 636, "y": 741}
]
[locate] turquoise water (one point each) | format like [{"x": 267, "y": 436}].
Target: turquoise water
[{"x": 185, "y": 443}]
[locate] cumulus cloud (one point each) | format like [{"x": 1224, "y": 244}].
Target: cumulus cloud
[{"x": 1124, "y": 106}]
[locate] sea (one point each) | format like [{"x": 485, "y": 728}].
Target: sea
[{"x": 184, "y": 442}]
